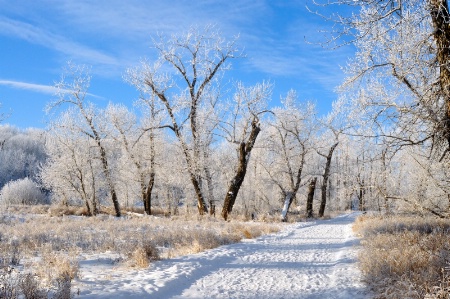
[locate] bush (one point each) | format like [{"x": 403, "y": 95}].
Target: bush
[{"x": 22, "y": 192}]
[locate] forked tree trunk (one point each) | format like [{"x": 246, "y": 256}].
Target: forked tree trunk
[
  {"x": 290, "y": 196},
  {"x": 326, "y": 175},
  {"x": 310, "y": 198},
  {"x": 245, "y": 149}
]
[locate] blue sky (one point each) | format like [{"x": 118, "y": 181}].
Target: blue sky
[{"x": 38, "y": 38}]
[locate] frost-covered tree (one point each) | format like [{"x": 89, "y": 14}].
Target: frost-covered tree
[
  {"x": 21, "y": 153},
  {"x": 73, "y": 171},
  {"x": 399, "y": 79},
  {"x": 288, "y": 141},
  {"x": 181, "y": 79},
  {"x": 73, "y": 90},
  {"x": 399, "y": 75},
  {"x": 242, "y": 128},
  {"x": 140, "y": 146}
]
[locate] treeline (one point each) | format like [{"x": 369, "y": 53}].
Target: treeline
[{"x": 192, "y": 143}]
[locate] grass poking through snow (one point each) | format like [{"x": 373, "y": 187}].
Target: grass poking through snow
[
  {"x": 405, "y": 256},
  {"x": 44, "y": 250}
]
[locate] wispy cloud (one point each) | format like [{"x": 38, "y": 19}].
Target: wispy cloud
[
  {"x": 53, "y": 41},
  {"x": 45, "y": 89}
]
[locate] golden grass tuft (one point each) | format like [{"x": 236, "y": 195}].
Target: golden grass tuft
[{"x": 54, "y": 266}]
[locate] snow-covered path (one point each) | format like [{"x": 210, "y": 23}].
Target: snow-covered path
[{"x": 307, "y": 260}]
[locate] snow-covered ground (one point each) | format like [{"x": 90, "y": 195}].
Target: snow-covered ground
[{"x": 307, "y": 260}]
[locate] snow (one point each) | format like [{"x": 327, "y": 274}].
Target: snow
[{"x": 306, "y": 260}]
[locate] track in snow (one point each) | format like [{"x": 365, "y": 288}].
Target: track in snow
[{"x": 307, "y": 260}]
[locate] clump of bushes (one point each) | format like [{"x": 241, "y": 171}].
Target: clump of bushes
[
  {"x": 22, "y": 192},
  {"x": 405, "y": 256}
]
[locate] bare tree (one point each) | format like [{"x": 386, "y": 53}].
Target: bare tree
[
  {"x": 138, "y": 146},
  {"x": 196, "y": 59},
  {"x": 72, "y": 169},
  {"x": 289, "y": 141},
  {"x": 242, "y": 129},
  {"x": 72, "y": 90}
]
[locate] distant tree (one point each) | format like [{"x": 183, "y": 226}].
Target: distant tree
[
  {"x": 289, "y": 140},
  {"x": 21, "y": 153}
]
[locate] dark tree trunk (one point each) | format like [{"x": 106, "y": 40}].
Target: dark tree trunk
[
  {"x": 310, "y": 198},
  {"x": 361, "y": 195},
  {"x": 326, "y": 175},
  {"x": 440, "y": 17},
  {"x": 88, "y": 208},
  {"x": 245, "y": 149},
  {"x": 148, "y": 194},
  {"x": 201, "y": 204},
  {"x": 151, "y": 182}
]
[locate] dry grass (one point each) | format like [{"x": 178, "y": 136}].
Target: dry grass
[
  {"x": 45, "y": 243},
  {"x": 405, "y": 256},
  {"x": 50, "y": 247}
]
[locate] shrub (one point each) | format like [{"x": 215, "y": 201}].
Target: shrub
[
  {"x": 22, "y": 192},
  {"x": 144, "y": 254}
]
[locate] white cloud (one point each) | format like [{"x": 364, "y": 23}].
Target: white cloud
[
  {"x": 56, "y": 42},
  {"x": 45, "y": 89}
]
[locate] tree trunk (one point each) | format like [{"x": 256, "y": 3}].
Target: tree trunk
[
  {"x": 361, "y": 195},
  {"x": 440, "y": 16},
  {"x": 326, "y": 175},
  {"x": 109, "y": 179},
  {"x": 209, "y": 183},
  {"x": 151, "y": 182},
  {"x": 148, "y": 194},
  {"x": 244, "y": 156},
  {"x": 309, "y": 200},
  {"x": 289, "y": 197},
  {"x": 384, "y": 181}
]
